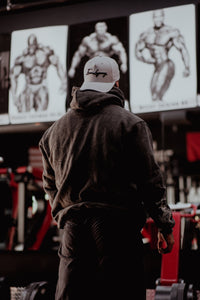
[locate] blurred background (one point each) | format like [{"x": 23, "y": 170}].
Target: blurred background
[{"x": 67, "y": 33}]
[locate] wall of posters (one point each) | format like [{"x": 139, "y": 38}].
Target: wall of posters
[
  {"x": 38, "y": 78},
  {"x": 104, "y": 37},
  {"x": 155, "y": 50},
  {"x": 163, "y": 59},
  {"x": 4, "y": 77}
]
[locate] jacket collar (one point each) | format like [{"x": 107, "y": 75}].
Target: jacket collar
[{"x": 89, "y": 100}]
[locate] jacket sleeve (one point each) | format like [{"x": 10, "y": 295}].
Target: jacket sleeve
[
  {"x": 48, "y": 173},
  {"x": 151, "y": 188}
]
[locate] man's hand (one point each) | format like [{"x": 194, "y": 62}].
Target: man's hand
[{"x": 165, "y": 245}]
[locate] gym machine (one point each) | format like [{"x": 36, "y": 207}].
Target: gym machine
[
  {"x": 169, "y": 286},
  {"x": 8, "y": 209},
  {"x": 41, "y": 290},
  {"x": 25, "y": 212},
  {"x": 26, "y": 225}
]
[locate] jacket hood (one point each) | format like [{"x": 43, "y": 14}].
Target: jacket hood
[{"x": 89, "y": 100}]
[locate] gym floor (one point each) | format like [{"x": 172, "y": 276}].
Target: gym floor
[{"x": 22, "y": 268}]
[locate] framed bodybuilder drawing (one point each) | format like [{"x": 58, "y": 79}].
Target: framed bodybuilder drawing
[
  {"x": 104, "y": 37},
  {"x": 4, "y": 77},
  {"x": 163, "y": 59},
  {"x": 38, "y": 80}
]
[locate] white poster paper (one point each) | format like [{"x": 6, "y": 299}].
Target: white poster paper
[
  {"x": 163, "y": 59},
  {"x": 38, "y": 74}
]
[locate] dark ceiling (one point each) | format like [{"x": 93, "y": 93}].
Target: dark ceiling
[{"x": 13, "y": 5}]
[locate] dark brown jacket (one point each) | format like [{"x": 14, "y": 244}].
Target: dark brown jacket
[{"x": 100, "y": 155}]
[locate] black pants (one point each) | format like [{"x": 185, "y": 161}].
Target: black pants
[{"x": 101, "y": 258}]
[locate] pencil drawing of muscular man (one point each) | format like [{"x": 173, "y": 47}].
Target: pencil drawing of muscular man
[
  {"x": 99, "y": 43},
  {"x": 34, "y": 63},
  {"x": 153, "y": 47}
]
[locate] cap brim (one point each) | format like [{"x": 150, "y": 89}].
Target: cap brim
[{"x": 97, "y": 86}]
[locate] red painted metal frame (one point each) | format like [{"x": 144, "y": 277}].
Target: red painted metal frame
[
  {"x": 170, "y": 261},
  {"x": 37, "y": 173},
  {"x": 43, "y": 230}
]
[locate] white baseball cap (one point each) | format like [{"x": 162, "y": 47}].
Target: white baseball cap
[{"x": 100, "y": 74}]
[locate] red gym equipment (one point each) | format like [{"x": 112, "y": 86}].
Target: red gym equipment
[{"x": 169, "y": 286}]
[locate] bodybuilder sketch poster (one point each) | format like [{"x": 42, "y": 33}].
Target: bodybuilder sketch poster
[
  {"x": 4, "y": 77},
  {"x": 38, "y": 80},
  {"x": 163, "y": 59},
  {"x": 105, "y": 38}
]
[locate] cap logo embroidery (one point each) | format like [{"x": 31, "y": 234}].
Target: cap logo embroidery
[{"x": 96, "y": 73}]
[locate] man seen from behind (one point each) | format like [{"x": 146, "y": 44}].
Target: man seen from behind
[{"x": 101, "y": 178}]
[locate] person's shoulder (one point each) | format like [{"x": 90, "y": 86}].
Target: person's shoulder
[
  {"x": 146, "y": 33},
  {"x": 62, "y": 122},
  {"x": 131, "y": 117},
  {"x": 88, "y": 38},
  {"x": 126, "y": 117},
  {"x": 134, "y": 119},
  {"x": 172, "y": 31},
  {"x": 56, "y": 129}
]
